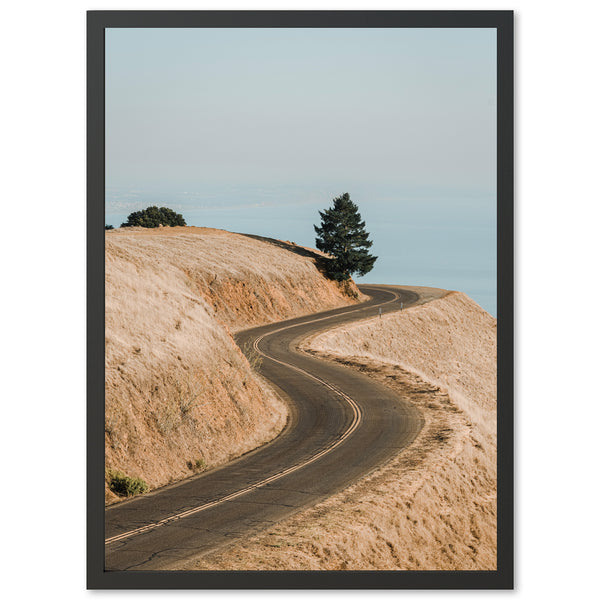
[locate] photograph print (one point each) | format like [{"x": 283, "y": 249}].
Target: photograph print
[{"x": 304, "y": 350}]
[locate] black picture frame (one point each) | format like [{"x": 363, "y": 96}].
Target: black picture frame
[{"x": 97, "y": 578}]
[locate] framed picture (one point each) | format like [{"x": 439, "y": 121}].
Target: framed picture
[{"x": 300, "y": 299}]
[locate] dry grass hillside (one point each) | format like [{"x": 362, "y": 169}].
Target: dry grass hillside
[
  {"x": 434, "y": 505},
  {"x": 180, "y": 395}
]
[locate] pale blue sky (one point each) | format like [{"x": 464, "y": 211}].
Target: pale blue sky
[{"x": 255, "y": 130}]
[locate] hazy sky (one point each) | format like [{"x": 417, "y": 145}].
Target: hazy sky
[{"x": 255, "y": 130}]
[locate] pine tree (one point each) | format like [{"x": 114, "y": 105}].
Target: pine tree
[{"x": 342, "y": 234}]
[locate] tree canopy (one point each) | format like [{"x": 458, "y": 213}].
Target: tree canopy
[
  {"x": 342, "y": 234},
  {"x": 154, "y": 217}
]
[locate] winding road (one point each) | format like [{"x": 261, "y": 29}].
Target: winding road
[{"x": 342, "y": 425}]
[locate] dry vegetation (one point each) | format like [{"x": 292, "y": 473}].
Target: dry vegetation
[
  {"x": 180, "y": 396},
  {"x": 434, "y": 505}
]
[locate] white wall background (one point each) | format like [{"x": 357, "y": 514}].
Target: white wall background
[{"x": 43, "y": 258}]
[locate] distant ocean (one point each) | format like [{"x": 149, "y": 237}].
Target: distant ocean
[{"x": 449, "y": 244}]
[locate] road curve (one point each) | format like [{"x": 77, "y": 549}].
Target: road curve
[{"x": 342, "y": 425}]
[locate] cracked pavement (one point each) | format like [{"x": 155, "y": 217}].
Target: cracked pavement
[{"x": 319, "y": 416}]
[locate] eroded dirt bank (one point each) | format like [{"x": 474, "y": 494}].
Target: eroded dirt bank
[
  {"x": 434, "y": 505},
  {"x": 180, "y": 396}
]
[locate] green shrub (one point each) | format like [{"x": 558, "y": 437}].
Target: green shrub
[
  {"x": 108, "y": 227},
  {"x": 122, "y": 485},
  {"x": 196, "y": 465},
  {"x": 154, "y": 217}
]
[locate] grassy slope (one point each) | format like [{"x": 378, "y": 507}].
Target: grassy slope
[
  {"x": 179, "y": 393},
  {"x": 434, "y": 505}
]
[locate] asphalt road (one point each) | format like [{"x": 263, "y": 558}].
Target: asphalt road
[{"x": 342, "y": 425}]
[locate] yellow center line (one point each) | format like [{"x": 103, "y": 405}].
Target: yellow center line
[{"x": 356, "y": 419}]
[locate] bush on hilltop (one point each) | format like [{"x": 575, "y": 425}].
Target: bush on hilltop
[{"x": 154, "y": 217}]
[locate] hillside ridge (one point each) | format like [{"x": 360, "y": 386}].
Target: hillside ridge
[
  {"x": 431, "y": 507},
  {"x": 180, "y": 396}
]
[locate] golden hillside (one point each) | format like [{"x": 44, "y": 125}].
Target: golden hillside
[
  {"x": 434, "y": 505},
  {"x": 180, "y": 395}
]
